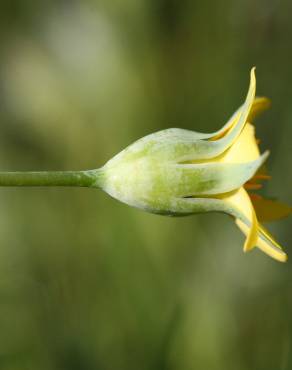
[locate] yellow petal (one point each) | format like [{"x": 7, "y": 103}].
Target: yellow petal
[
  {"x": 260, "y": 104},
  {"x": 209, "y": 147},
  {"x": 265, "y": 242},
  {"x": 241, "y": 201},
  {"x": 244, "y": 149},
  {"x": 270, "y": 210},
  {"x": 239, "y": 118}
]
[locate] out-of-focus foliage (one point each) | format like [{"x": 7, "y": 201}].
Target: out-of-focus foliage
[{"x": 87, "y": 282}]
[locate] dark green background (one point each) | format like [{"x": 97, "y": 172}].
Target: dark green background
[{"x": 89, "y": 283}]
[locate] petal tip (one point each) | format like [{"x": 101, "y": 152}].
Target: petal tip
[
  {"x": 253, "y": 80},
  {"x": 265, "y": 156},
  {"x": 264, "y": 102},
  {"x": 281, "y": 257},
  {"x": 247, "y": 247},
  {"x": 285, "y": 258}
]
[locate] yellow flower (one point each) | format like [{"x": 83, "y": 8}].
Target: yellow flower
[
  {"x": 245, "y": 148},
  {"x": 180, "y": 172}
]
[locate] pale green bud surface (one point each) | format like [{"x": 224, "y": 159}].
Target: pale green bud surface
[{"x": 153, "y": 173}]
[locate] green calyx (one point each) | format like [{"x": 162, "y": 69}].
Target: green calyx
[{"x": 152, "y": 173}]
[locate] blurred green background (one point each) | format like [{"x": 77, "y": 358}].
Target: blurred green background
[{"x": 89, "y": 283}]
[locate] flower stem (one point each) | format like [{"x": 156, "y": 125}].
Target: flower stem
[{"x": 88, "y": 178}]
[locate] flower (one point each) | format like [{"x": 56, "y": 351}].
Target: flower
[{"x": 180, "y": 172}]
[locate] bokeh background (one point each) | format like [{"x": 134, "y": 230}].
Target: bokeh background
[{"x": 89, "y": 283}]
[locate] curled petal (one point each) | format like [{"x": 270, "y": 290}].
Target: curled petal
[
  {"x": 217, "y": 144},
  {"x": 178, "y": 145},
  {"x": 257, "y": 236},
  {"x": 238, "y": 205},
  {"x": 259, "y": 105},
  {"x": 240, "y": 201},
  {"x": 237, "y": 127},
  {"x": 265, "y": 242}
]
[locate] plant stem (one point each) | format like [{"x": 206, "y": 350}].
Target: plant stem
[{"x": 88, "y": 178}]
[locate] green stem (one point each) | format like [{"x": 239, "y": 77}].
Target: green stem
[{"x": 90, "y": 178}]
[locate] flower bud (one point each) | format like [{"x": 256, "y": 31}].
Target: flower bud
[
  {"x": 179, "y": 172},
  {"x": 158, "y": 170}
]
